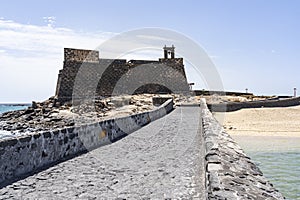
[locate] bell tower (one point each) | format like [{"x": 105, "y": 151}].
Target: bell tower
[{"x": 169, "y": 51}]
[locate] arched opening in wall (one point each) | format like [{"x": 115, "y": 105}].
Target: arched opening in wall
[{"x": 152, "y": 88}]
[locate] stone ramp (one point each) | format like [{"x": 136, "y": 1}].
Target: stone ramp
[{"x": 162, "y": 160}]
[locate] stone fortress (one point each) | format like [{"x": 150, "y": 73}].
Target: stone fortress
[{"x": 92, "y": 76}]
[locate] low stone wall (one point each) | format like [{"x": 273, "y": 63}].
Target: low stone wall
[
  {"x": 221, "y": 93},
  {"x": 25, "y": 154},
  {"x": 233, "y": 106},
  {"x": 230, "y": 173}
]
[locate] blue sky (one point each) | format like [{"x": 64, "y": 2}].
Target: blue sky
[{"x": 254, "y": 44}]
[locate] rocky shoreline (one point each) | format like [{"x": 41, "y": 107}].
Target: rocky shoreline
[{"x": 50, "y": 114}]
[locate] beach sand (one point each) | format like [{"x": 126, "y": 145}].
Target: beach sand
[
  {"x": 264, "y": 129},
  {"x": 276, "y": 122}
]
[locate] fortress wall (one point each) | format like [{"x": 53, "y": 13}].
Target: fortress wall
[
  {"x": 91, "y": 78},
  {"x": 80, "y": 55},
  {"x": 230, "y": 173},
  {"x": 165, "y": 76},
  {"x": 221, "y": 93},
  {"x": 99, "y": 77},
  {"x": 233, "y": 106},
  {"x": 109, "y": 78},
  {"x": 25, "y": 154},
  {"x": 66, "y": 77}
]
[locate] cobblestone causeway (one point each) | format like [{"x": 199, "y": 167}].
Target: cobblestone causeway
[{"x": 163, "y": 160}]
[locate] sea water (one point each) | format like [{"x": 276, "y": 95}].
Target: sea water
[
  {"x": 10, "y": 107},
  {"x": 279, "y": 160}
]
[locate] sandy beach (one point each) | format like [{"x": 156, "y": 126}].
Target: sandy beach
[
  {"x": 264, "y": 129},
  {"x": 277, "y": 122}
]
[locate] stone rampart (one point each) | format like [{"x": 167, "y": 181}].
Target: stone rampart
[
  {"x": 28, "y": 153},
  {"x": 233, "y": 106},
  {"x": 230, "y": 173},
  {"x": 80, "y": 55},
  {"x": 221, "y": 93}
]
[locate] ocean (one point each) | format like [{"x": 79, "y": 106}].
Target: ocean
[
  {"x": 10, "y": 107},
  {"x": 279, "y": 160}
]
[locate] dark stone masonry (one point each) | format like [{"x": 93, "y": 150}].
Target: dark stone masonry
[{"x": 85, "y": 75}]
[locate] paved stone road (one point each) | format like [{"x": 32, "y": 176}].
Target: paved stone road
[{"x": 163, "y": 160}]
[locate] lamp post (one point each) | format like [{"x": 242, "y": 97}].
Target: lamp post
[{"x": 191, "y": 85}]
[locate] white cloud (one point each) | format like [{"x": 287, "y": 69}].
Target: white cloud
[
  {"x": 156, "y": 38},
  {"x": 30, "y": 57},
  {"x": 46, "y": 39}
]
